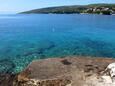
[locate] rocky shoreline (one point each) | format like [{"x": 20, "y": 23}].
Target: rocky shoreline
[{"x": 68, "y": 71}]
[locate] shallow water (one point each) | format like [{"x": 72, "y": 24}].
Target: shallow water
[{"x": 24, "y": 38}]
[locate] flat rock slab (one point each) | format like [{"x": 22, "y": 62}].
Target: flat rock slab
[{"x": 72, "y": 70}]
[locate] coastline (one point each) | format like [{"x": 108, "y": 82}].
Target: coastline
[
  {"x": 57, "y": 44},
  {"x": 67, "y": 71},
  {"x": 104, "y": 8},
  {"x": 66, "y": 13}
]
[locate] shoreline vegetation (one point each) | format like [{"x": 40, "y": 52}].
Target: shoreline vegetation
[{"x": 104, "y": 9}]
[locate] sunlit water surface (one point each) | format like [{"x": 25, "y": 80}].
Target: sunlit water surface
[{"x": 24, "y": 38}]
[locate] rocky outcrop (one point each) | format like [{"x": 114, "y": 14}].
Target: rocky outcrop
[
  {"x": 69, "y": 71},
  {"x": 7, "y": 79}
]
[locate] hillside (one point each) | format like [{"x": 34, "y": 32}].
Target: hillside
[{"x": 92, "y": 8}]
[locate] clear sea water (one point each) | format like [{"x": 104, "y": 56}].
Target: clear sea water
[{"x": 24, "y": 38}]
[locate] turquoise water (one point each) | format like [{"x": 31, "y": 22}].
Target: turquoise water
[{"x": 24, "y": 38}]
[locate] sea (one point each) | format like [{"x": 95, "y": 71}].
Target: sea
[{"x": 28, "y": 37}]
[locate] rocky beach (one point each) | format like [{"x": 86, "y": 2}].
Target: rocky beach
[
  {"x": 57, "y": 43},
  {"x": 67, "y": 71}
]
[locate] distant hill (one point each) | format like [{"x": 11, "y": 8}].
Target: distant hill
[{"x": 92, "y": 8}]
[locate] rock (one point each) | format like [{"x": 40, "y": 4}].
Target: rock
[
  {"x": 7, "y": 79},
  {"x": 110, "y": 66},
  {"x": 106, "y": 79},
  {"x": 69, "y": 71},
  {"x": 110, "y": 72}
]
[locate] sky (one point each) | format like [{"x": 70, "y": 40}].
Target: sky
[{"x": 14, "y": 6}]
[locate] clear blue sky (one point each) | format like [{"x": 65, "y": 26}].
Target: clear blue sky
[{"x": 7, "y": 6}]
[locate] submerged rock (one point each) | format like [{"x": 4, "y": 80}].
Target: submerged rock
[{"x": 6, "y": 66}]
